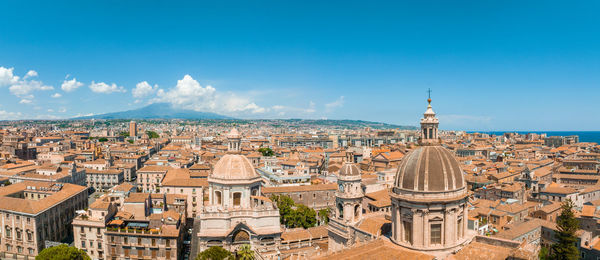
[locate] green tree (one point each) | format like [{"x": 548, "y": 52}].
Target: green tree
[
  {"x": 294, "y": 215},
  {"x": 214, "y": 253},
  {"x": 266, "y": 151},
  {"x": 544, "y": 254},
  {"x": 62, "y": 252},
  {"x": 245, "y": 253},
  {"x": 152, "y": 134},
  {"x": 567, "y": 225},
  {"x": 124, "y": 134},
  {"x": 323, "y": 216},
  {"x": 102, "y": 139},
  {"x": 130, "y": 141}
]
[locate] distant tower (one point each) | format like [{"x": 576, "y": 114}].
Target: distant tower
[
  {"x": 133, "y": 129},
  {"x": 348, "y": 208},
  {"x": 429, "y": 125},
  {"x": 234, "y": 141}
]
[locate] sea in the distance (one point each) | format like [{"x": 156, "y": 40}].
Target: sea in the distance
[{"x": 584, "y": 136}]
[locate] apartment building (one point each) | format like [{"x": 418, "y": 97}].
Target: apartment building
[
  {"x": 150, "y": 177},
  {"x": 32, "y": 213},
  {"x": 146, "y": 226},
  {"x": 104, "y": 179}
]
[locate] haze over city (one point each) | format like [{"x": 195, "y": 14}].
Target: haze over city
[{"x": 508, "y": 65}]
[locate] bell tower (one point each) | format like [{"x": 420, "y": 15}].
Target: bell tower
[
  {"x": 349, "y": 194},
  {"x": 429, "y": 125},
  {"x": 234, "y": 141}
]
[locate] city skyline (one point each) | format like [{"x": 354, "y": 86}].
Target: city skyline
[{"x": 515, "y": 66}]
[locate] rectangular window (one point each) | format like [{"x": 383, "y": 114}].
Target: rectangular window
[
  {"x": 407, "y": 231},
  {"x": 436, "y": 234}
]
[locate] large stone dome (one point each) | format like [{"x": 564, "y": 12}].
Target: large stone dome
[
  {"x": 234, "y": 167},
  {"x": 429, "y": 169}
]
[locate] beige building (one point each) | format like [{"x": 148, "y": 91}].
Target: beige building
[
  {"x": 237, "y": 214},
  {"x": 149, "y": 177},
  {"x": 104, "y": 179},
  {"x": 32, "y": 213},
  {"x": 144, "y": 227},
  {"x": 316, "y": 196},
  {"x": 180, "y": 181}
]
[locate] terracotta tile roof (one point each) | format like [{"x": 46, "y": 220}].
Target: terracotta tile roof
[
  {"x": 36, "y": 206},
  {"x": 375, "y": 225},
  {"x": 136, "y": 197},
  {"x": 380, "y": 198},
  {"x": 588, "y": 211},
  {"x": 380, "y": 249}
]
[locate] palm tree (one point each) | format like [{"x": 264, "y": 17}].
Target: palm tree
[{"x": 245, "y": 253}]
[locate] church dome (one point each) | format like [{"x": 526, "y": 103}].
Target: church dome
[
  {"x": 233, "y": 167},
  {"x": 234, "y": 133},
  {"x": 349, "y": 169},
  {"x": 429, "y": 169}
]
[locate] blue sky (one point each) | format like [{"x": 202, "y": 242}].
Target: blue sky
[{"x": 492, "y": 65}]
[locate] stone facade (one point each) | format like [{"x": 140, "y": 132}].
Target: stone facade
[{"x": 32, "y": 213}]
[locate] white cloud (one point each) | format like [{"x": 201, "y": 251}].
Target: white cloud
[
  {"x": 189, "y": 94},
  {"x": 104, "y": 88},
  {"x": 56, "y": 95},
  {"x": 70, "y": 85},
  {"x": 31, "y": 74},
  {"x": 5, "y": 115},
  {"x": 25, "y": 87},
  {"x": 62, "y": 110},
  {"x": 50, "y": 110},
  {"x": 22, "y": 88},
  {"x": 6, "y": 77},
  {"x": 143, "y": 89},
  {"x": 335, "y": 104}
]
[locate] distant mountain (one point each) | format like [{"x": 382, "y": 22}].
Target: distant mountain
[
  {"x": 347, "y": 123},
  {"x": 157, "y": 111}
]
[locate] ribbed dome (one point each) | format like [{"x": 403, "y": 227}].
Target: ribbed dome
[
  {"x": 233, "y": 167},
  {"x": 234, "y": 133},
  {"x": 429, "y": 168},
  {"x": 349, "y": 169}
]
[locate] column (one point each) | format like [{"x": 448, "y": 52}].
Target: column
[{"x": 426, "y": 232}]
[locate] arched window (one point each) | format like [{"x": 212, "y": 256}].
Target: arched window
[
  {"x": 340, "y": 210},
  {"x": 356, "y": 212},
  {"x": 241, "y": 236}
]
